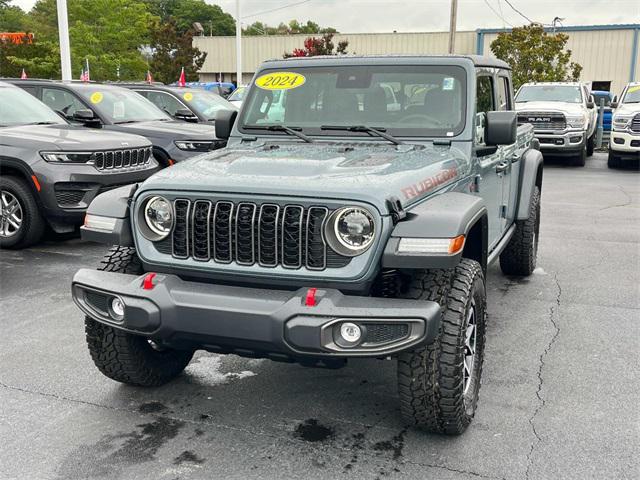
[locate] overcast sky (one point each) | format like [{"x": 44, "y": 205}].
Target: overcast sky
[{"x": 360, "y": 16}]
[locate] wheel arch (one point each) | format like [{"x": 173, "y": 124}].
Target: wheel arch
[{"x": 531, "y": 173}]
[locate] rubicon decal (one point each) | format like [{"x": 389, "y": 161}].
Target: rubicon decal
[{"x": 428, "y": 184}]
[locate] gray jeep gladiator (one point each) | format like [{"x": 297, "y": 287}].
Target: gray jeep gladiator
[{"x": 358, "y": 221}]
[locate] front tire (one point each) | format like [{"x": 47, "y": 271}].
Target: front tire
[
  {"x": 520, "y": 255},
  {"x": 21, "y": 223},
  {"x": 591, "y": 145},
  {"x": 581, "y": 159},
  {"x": 125, "y": 357},
  {"x": 439, "y": 383},
  {"x": 612, "y": 160}
]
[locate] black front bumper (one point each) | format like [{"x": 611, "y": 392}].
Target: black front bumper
[{"x": 276, "y": 324}]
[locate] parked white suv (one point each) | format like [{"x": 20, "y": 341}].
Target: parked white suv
[
  {"x": 625, "y": 127},
  {"x": 563, "y": 116}
]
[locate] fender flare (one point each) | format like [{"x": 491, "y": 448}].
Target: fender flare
[
  {"x": 444, "y": 216},
  {"x": 530, "y": 177},
  {"x": 113, "y": 204}
]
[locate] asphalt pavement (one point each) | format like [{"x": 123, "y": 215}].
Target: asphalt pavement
[{"x": 558, "y": 400}]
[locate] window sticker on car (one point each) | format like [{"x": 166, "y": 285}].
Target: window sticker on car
[
  {"x": 633, "y": 89},
  {"x": 96, "y": 97},
  {"x": 188, "y": 96},
  {"x": 447, "y": 83},
  {"x": 280, "y": 81}
]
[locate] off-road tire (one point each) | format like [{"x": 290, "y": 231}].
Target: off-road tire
[
  {"x": 591, "y": 145},
  {"x": 430, "y": 378},
  {"x": 613, "y": 161},
  {"x": 580, "y": 160},
  {"x": 124, "y": 357},
  {"x": 33, "y": 224},
  {"x": 520, "y": 255}
]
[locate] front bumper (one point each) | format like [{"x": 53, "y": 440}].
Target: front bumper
[
  {"x": 558, "y": 143},
  {"x": 275, "y": 324},
  {"x": 625, "y": 142}
]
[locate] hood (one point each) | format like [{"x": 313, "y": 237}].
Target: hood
[
  {"x": 370, "y": 173},
  {"x": 627, "y": 109},
  {"x": 568, "y": 108},
  {"x": 174, "y": 129},
  {"x": 68, "y": 137}
]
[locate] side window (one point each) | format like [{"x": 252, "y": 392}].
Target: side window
[
  {"x": 504, "y": 94},
  {"x": 61, "y": 101},
  {"x": 484, "y": 104},
  {"x": 165, "y": 102}
]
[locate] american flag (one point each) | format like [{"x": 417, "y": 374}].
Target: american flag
[{"x": 24, "y": 75}]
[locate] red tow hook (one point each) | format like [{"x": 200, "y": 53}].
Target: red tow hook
[
  {"x": 147, "y": 283},
  {"x": 310, "y": 300}
]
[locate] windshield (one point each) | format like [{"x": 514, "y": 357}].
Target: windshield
[
  {"x": 206, "y": 103},
  {"x": 119, "y": 105},
  {"x": 632, "y": 95},
  {"x": 402, "y": 100},
  {"x": 238, "y": 94},
  {"x": 549, "y": 93},
  {"x": 18, "y": 107}
]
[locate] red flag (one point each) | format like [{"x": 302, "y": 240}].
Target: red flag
[
  {"x": 149, "y": 77},
  {"x": 82, "y": 74},
  {"x": 24, "y": 75},
  {"x": 182, "y": 82}
]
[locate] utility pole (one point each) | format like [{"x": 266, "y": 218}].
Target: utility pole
[
  {"x": 452, "y": 26},
  {"x": 63, "y": 33},
  {"x": 238, "y": 45}
]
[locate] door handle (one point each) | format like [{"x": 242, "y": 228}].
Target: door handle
[{"x": 502, "y": 167}]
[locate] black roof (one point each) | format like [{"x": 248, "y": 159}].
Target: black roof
[{"x": 478, "y": 60}]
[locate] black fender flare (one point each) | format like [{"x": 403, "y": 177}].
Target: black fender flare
[
  {"x": 113, "y": 204},
  {"x": 448, "y": 215},
  {"x": 530, "y": 177}
]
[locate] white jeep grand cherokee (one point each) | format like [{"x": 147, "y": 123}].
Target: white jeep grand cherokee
[
  {"x": 563, "y": 116},
  {"x": 625, "y": 127}
]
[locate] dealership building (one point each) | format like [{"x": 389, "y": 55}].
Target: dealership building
[{"x": 609, "y": 54}]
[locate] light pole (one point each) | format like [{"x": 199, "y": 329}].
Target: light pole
[
  {"x": 452, "y": 26},
  {"x": 63, "y": 33},
  {"x": 238, "y": 45}
]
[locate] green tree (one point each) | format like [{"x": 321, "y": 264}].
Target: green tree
[
  {"x": 172, "y": 51},
  {"x": 185, "y": 12},
  {"x": 535, "y": 55},
  {"x": 292, "y": 28},
  {"x": 12, "y": 18}
]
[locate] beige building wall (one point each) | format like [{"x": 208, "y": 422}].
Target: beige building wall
[{"x": 605, "y": 54}]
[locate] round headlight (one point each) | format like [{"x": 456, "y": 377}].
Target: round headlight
[
  {"x": 158, "y": 215},
  {"x": 351, "y": 231}
]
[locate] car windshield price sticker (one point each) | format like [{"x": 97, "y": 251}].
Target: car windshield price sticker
[
  {"x": 96, "y": 97},
  {"x": 280, "y": 81},
  {"x": 188, "y": 96}
]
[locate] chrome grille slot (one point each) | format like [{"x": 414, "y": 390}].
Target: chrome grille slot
[
  {"x": 181, "y": 228},
  {"x": 635, "y": 123},
  {"x": 223, "y": 232},
  {"x": 201, "y": 229},
  {"x": 248, "y": 233},
  {"x": 316, "y": 250},
  {"x": 268, "y": 235},
  {"x": 292, "y": 221}
]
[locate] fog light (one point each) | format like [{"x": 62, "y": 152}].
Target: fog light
[
  {"x": 117, "y": 308},
  {"x": 350, "y": 332},
  {"x": 575, "y": 139}
]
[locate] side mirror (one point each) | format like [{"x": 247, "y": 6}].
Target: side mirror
[
  {"x": 185, "y": 114},
  {"x": 614, "y": 102},
  {"x": 85, "y": 116},
  {"x": 224, "y": 123},
  {"x": 501, "y": 128},
  {"x": 591, "y": 102}
]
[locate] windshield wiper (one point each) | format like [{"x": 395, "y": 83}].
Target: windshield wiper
[
  {"x": 363, "y": 128},
  {"x": 281, "y": 128}
]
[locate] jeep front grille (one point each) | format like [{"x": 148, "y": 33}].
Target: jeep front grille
[
  {"x": 122, "y": 159},
  {"x": 543, "y": 120},
  {"x": 635, "y": 123},
  {"x": 248, "y": 233}
]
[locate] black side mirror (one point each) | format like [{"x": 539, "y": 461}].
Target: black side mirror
[
  {"x": 224, "y": 123},
  {"x": 591, "y": 101},
  {"x": 85, "y": 116},
  {"x": 501, "y": 128},
  {"x": 614, "y": 102},
  {"x": 185, "y": 114}
]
